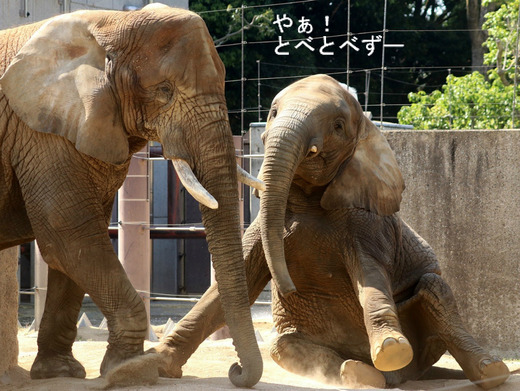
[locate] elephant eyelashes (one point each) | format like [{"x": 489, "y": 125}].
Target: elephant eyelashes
[
  {"x": 338, "y": 126},
  {"x": 164, "y": 93}
]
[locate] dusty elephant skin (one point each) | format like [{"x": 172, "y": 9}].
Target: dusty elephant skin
[
  {"x": 368, "y": 307},
  {"x": 80, "y": 93}
]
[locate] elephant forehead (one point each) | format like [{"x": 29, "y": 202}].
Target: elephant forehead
[
  {"x": 318, "y": 105},
  {"x": 188, "y": 57},
  {"x": 313, "y": 85}
]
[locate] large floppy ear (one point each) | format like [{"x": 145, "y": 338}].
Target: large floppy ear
[
  {"x": 57, "y": 84},
  {"x": 371, "y": 179}
]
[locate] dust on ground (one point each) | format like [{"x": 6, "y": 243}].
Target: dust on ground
[{"x": 206, "y": 369}]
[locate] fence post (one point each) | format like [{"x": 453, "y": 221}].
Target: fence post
[{"x": 134, "y": 246}]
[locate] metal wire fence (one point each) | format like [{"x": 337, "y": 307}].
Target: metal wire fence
[{"x": 362, "y": 78}]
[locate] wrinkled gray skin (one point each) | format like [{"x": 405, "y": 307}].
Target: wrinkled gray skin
[
  {"x": 370, "y": 307},
  {"x": 79, "y": 95}
]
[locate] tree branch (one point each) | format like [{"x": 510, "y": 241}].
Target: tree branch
[{"x": 228, "y": 36}]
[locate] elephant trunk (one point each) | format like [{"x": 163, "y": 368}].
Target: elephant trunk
[
  {"x": 284, "y": 151},
  {"x": 218, "y": 174}
]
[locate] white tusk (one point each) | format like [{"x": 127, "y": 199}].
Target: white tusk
[
  {"x": 250, "y": 180},
  {"x": 192, "y": 184},
  {"x": 314, "y": 149}
]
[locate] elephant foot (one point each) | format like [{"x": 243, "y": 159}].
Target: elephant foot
[
  {"x": 138, "y": 371},
  {"x": 115, "y": 357},
  {"x": 357, "y": 374},
  {"x": 57, "y": 365},
  {"x": 491, "y": 372},
  {"x": 393, "y": 354},
  {"x": 168, "y": 365}
]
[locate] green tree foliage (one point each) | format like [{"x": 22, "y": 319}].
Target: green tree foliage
[
  {"x": 468, "y": 102},
  {"x": 475, "y": 101},
  {"x": 502, "y": 44}
]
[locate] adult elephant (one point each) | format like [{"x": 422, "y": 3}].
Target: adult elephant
[
  {"x": 80, "y": 93},
  {"x": 370, "y": 307}
]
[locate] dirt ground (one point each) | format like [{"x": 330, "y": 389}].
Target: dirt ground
[{"x": 206, "y": 369}]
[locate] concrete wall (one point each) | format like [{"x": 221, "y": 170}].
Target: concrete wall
[
  {"x": 463, "y": 196},
  {"x": 8, "y": 312},
  {"x": 119, "y": 4},
  {"x": 17, "y": 12}
]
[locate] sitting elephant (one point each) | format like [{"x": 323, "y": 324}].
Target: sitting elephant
[
  {"x": 370, "y": 306},
  {"x": 80, "y": 93}
]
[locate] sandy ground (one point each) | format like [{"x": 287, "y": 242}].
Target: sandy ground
[{"x": 206, "y": 369}]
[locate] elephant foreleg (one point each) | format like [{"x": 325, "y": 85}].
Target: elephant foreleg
[
  {"x": 58, "y": 330},
  {"x": 203, "y": 319},
  {"x": 389, "y": 348},
  {"x": 296, "y": 354},
  {"x": 84, "y": 253},
  {"x": 437, "y": 301},
  {"x": 69, "y": 219},
  {"x": 92, "y": 265},
  {"x": 207, "y": 316}
]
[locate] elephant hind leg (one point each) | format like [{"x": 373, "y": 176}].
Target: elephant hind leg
[
  {"x": 438, "y": 302},
  {"x": 58, "y": 330},
  {"x": 298, "y": 355}
]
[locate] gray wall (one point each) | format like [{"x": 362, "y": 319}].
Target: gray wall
[
  {"x": 119, "y": 4},
  {"x": 17, "y": 12},
  {"x": 463, "y": 196}
]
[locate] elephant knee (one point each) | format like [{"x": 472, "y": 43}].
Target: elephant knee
[
  {"x": 278, "y": 346},
  {"x": 130, "y": 322},
  {"x": 286, "y": 349},
  {"x": 433, "y": 288},
  {"x": 298, "y": 355}
]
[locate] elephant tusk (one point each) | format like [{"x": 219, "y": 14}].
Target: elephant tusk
[
  {"x": 192, "y": 184},
  {"x": 250, "y": 180}
]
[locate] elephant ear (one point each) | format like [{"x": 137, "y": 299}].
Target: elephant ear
[
  {"x": 371, "y": 179},
  {"x": 57, "y": 84}
]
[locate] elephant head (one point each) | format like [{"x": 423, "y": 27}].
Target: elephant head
[
  {"x": 317, "y": 136},
  {"x": 108, "y": 81}
]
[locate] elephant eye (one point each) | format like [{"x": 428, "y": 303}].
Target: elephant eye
[
  {"x": 274, "y": 112},
  {"x": 339, "y": 125},
  {"x": 164, "y": 93}
]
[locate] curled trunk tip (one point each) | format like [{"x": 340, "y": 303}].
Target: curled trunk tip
[{"x": 241, "y": 378}]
